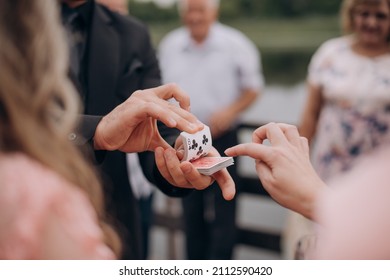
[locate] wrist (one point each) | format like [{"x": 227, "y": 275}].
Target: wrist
[{"x": 309, "y": 204}]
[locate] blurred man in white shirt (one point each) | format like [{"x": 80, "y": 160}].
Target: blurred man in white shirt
[{"x": 220, "y": 68}]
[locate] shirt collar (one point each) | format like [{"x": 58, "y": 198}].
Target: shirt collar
[{"x": 84, "y": 11}]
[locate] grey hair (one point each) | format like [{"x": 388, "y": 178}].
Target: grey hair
[{"x": 182, "y": 5}]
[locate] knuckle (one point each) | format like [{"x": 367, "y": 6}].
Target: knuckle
[
  {"x": 173, "y": 86},
  {"x": 137, "y": 93}
]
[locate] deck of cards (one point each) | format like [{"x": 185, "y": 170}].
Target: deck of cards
[{"x": 196, "y": 148}]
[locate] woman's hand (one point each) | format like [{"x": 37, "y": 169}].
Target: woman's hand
[{"x": 284, "y": 166}]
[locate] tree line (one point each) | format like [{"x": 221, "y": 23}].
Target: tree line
[{"x": 234, "y": 9}]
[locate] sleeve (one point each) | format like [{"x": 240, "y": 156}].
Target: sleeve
[
  {"x": 151, "y": 75},
  {"x": 86, "y": 129},
  {"x": 248, "y": 60},
  {"x": 318, "y": 63},
  {"x": 83, "y": 137}
]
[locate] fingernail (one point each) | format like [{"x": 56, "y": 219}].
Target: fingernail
[
  {"x": 229, "y": 195},
  {"x": 192, "y": 126},
  {"x": 172, "y": 122}
]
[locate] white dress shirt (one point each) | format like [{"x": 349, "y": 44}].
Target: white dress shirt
[
  {"x": 214, "y": 73},
  {"x": 140, "y": 186}
]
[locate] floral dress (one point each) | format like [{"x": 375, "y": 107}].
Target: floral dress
[{"x": 355, "y": 115}]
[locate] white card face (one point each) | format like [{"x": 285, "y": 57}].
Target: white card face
[{"x": 196, "y": 145}]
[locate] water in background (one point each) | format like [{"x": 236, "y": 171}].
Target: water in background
[{"x": 277, "y": 104}]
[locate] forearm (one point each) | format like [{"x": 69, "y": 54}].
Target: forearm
[
  {"x": 308, "y": 205},
  {"x": 309, "y": 119},
  {"x": 246, "y": 99}
]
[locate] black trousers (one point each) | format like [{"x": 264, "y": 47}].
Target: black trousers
[{"x": 210, "y": 220}]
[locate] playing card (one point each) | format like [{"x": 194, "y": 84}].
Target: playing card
[
  {"x": 210, "y": 165},
  {"x": 196, "y": 145}
]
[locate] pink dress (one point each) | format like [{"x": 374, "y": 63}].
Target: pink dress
[{"x": 42, "y": 216}]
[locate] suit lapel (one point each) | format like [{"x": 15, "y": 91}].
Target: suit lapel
[{"x": 103, "y": 63}]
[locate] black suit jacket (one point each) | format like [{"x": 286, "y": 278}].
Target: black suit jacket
[{"x": 120, "y": 59}]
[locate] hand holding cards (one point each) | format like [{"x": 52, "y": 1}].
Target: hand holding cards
[{"x": 196, "y": 148}]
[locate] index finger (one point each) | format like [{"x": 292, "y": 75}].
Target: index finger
[
  {"x": 173, "y": 91},
  {"x": 253, "y": 150},
  {"x": 275, "y": 133}
]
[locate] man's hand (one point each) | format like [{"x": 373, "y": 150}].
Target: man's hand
[
  {"x": 132, "y": 126},
  {"x": 183, "y": 174}
]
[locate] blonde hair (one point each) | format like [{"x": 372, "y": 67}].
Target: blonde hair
[
  {"x": 38, "y": 104},
  {"x": 347, "y": 10}
]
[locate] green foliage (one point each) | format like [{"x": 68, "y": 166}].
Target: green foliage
[
  {"x": 287, "y": 68},
  {"x": 287, "y": 32},
  {"x": 328, "y": 7},
  {"x": 233, "y": 9},
  {"x": 230, "y": 9},
  {"x": 150, "y": 12}
]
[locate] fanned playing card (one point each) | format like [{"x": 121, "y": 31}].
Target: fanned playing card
[{"x": 196, "y": 148}]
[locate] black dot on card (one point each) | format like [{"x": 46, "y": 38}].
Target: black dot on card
[
  {"x": 200, "y": 151},
  {"x": 194, "y": 145}
]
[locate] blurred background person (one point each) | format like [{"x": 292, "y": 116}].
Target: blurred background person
[
  {"x": 347, "y": 113},
  {"x": 141, "y": 187},
  {"x": 220, "y": 68}
]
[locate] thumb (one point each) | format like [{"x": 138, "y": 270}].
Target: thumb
[{"x": 158, "y": 141}]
